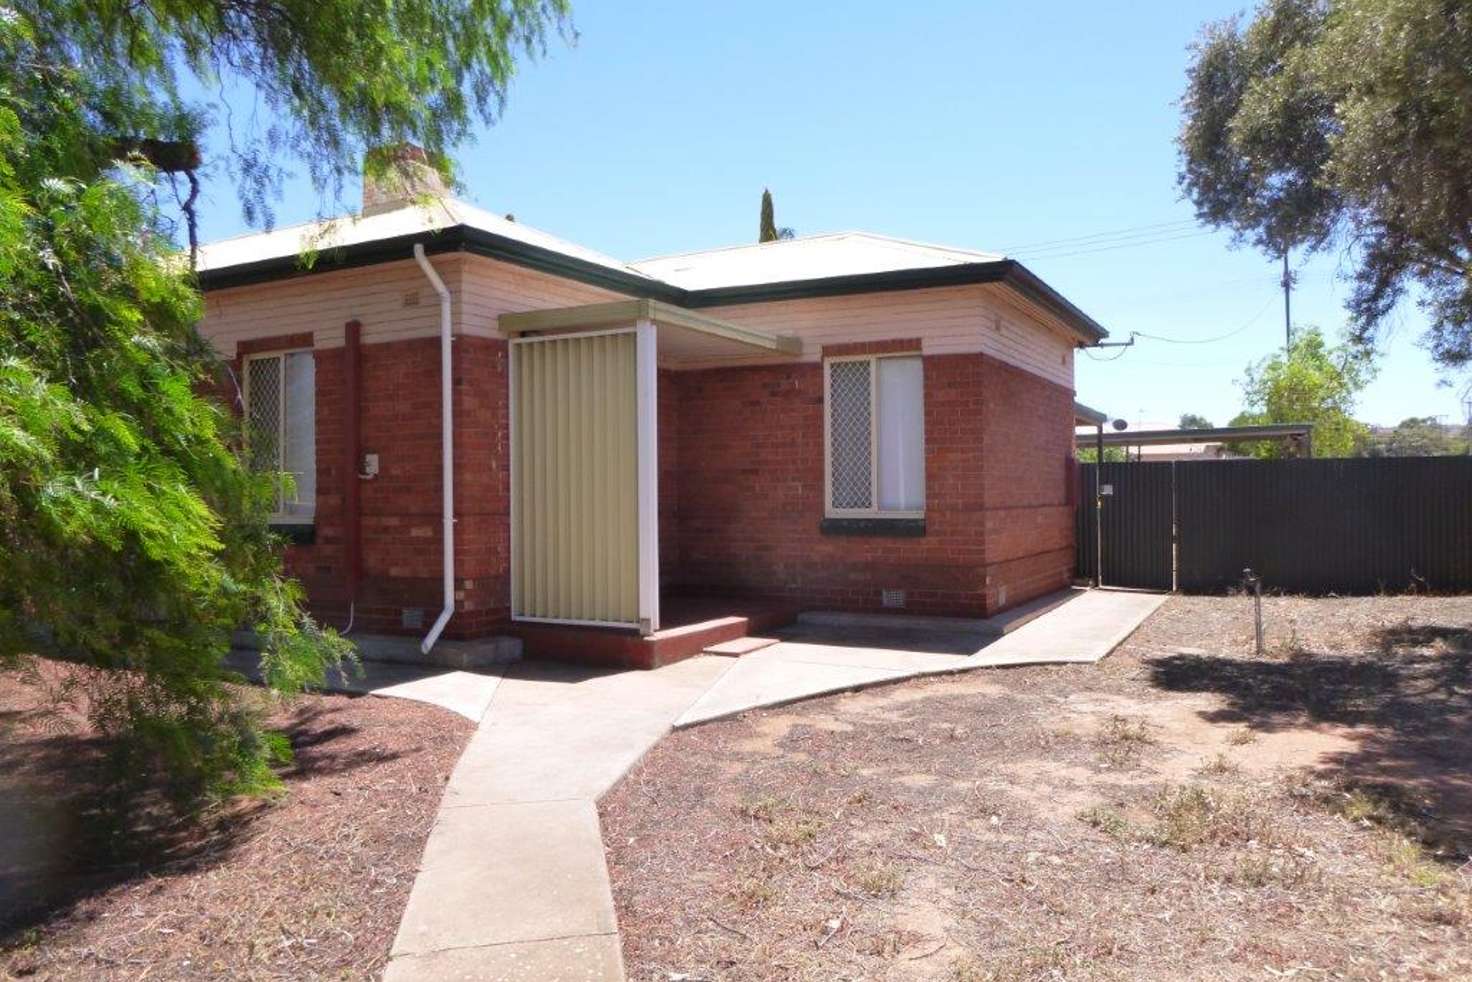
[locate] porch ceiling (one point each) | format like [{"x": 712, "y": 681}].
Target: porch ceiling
[{"x": 683, "y": 336}]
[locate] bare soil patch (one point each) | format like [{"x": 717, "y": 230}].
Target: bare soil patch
[
  {"x": 1185, "y": 809},
  {"x": 310, "y": 884}
]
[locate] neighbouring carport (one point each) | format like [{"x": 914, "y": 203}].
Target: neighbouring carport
[{"x": 584, "y": 452}]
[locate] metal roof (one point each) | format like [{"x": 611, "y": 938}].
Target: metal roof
[
  {"x": 822, "y": 265},
  {"x": 808, "y": 258},
  {"x": 333, "y": 234}
]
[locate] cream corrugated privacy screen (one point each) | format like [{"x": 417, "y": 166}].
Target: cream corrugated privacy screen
[{"x": 575, "y": 542}]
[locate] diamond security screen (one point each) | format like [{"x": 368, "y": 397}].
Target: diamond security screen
[
  {"x": 263, "y": 412},
  {"x": 850, "y": 434},
  {"x": 281, "y": 426}
]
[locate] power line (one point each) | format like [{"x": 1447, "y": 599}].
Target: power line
[
  {"x": 1100, "y": 243},
  {"x": 1220, "y": 337},
  {"x": 1111, "y": 246},
  {"x": 1157, "y": 337},
  {"x": 1122, "y": 350},
  {"x": 1134, "y": 229}
]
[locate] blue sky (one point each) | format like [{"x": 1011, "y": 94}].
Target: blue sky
[{"x": 983, "y": 125}]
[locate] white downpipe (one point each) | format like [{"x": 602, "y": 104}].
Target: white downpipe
[{"x": 447, "y": 451}]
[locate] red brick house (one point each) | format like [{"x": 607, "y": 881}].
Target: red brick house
[{"x": 840, "y": 421}]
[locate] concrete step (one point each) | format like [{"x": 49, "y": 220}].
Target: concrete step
[{"x": 737, "y": 647}]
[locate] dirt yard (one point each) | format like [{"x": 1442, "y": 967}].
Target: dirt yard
[
  {"x": 1185, "y": 809},
  {"x": 307, "y": 885}
]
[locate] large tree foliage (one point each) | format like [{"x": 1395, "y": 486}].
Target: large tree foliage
[
  {"x": 336, "y": 77},
  {"x": 1345, "y": 122},
  {"x": 133, "y": 538},
  {"x": 1315, "y": 383},
  {"x": 1418, "y": 436}
]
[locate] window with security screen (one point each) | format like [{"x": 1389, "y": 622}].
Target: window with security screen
[
  {"x": 281, "y": 427},
  {"x": 876, "y": 437}
]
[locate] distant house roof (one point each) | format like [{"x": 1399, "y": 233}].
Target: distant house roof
[
  {"x": 1182, "y": 450},
  {"x": 813, "y": 266}
]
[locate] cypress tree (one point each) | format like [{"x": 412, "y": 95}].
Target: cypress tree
[{"x": 768, "y": 231}]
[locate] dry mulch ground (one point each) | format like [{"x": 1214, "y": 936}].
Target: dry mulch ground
[
  {"x": 308, "y": 884},
  {"x": 1185, "y": 809}
]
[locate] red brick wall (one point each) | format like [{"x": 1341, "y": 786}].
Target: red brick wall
[
  {"x": 402, "y": 526},
  {"x": 750, "y": 498},
  {"x": 741, "y": 496},
  {"x": 1028, "y": 450},
  {"x": 482, "y": 484},
  {"x": 750, "y": 494},
  {"x": 667, "y": 403}
]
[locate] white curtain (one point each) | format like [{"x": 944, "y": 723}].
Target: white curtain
[
  {"x": 299, "y": 452},
  {"x": 901, "y": 417}
]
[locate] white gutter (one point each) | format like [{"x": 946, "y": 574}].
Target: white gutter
[{"x": 447, "y": 451}]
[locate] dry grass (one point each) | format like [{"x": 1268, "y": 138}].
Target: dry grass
[
  {"x": 1163, "y": 815},
  {"x": 308, "y": 885},
  {"x": 1122, "y": 741}
]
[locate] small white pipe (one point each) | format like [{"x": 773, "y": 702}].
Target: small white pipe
[{"x": 447, "y": 451}]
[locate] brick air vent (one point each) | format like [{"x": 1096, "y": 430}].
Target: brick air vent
[{"x": 892, "y": 598}]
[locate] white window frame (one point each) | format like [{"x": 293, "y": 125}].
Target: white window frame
[
  {"x": 279, "y": 516},
  {"x": 874, "y": 511}
]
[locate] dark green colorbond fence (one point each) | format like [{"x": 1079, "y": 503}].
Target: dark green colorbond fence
[{"x": 1351, "y": 526}]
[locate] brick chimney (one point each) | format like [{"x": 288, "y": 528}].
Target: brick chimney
[{"x": 406, "y": 177}]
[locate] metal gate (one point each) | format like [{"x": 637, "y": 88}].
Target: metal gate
[
  {"x": 1133, "y": 527},
  {"x": 575, "y": 479}
]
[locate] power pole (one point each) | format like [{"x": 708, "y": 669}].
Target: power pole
[{"x": 1287, "y": 306}]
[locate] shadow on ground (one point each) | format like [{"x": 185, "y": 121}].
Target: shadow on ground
[
  {"x": 71, "y": 828},
  {"x": 1408, "y": 701}
]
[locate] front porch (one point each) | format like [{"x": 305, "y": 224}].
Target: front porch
[
  {"x": 589, "y": 490},
  {"x": 690, "y": 626}
]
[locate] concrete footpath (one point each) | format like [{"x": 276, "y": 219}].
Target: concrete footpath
[
  {"x": 818, "y": 657},
  {"x": 513, "y": 884}
]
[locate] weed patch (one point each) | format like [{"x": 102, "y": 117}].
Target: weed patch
[
  {"x": 879, "y": 879},
  {"x": 1191, "y": 816},
  {"x": 1122, "y": 740},
  {"x": 1106, "y": 820}
]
